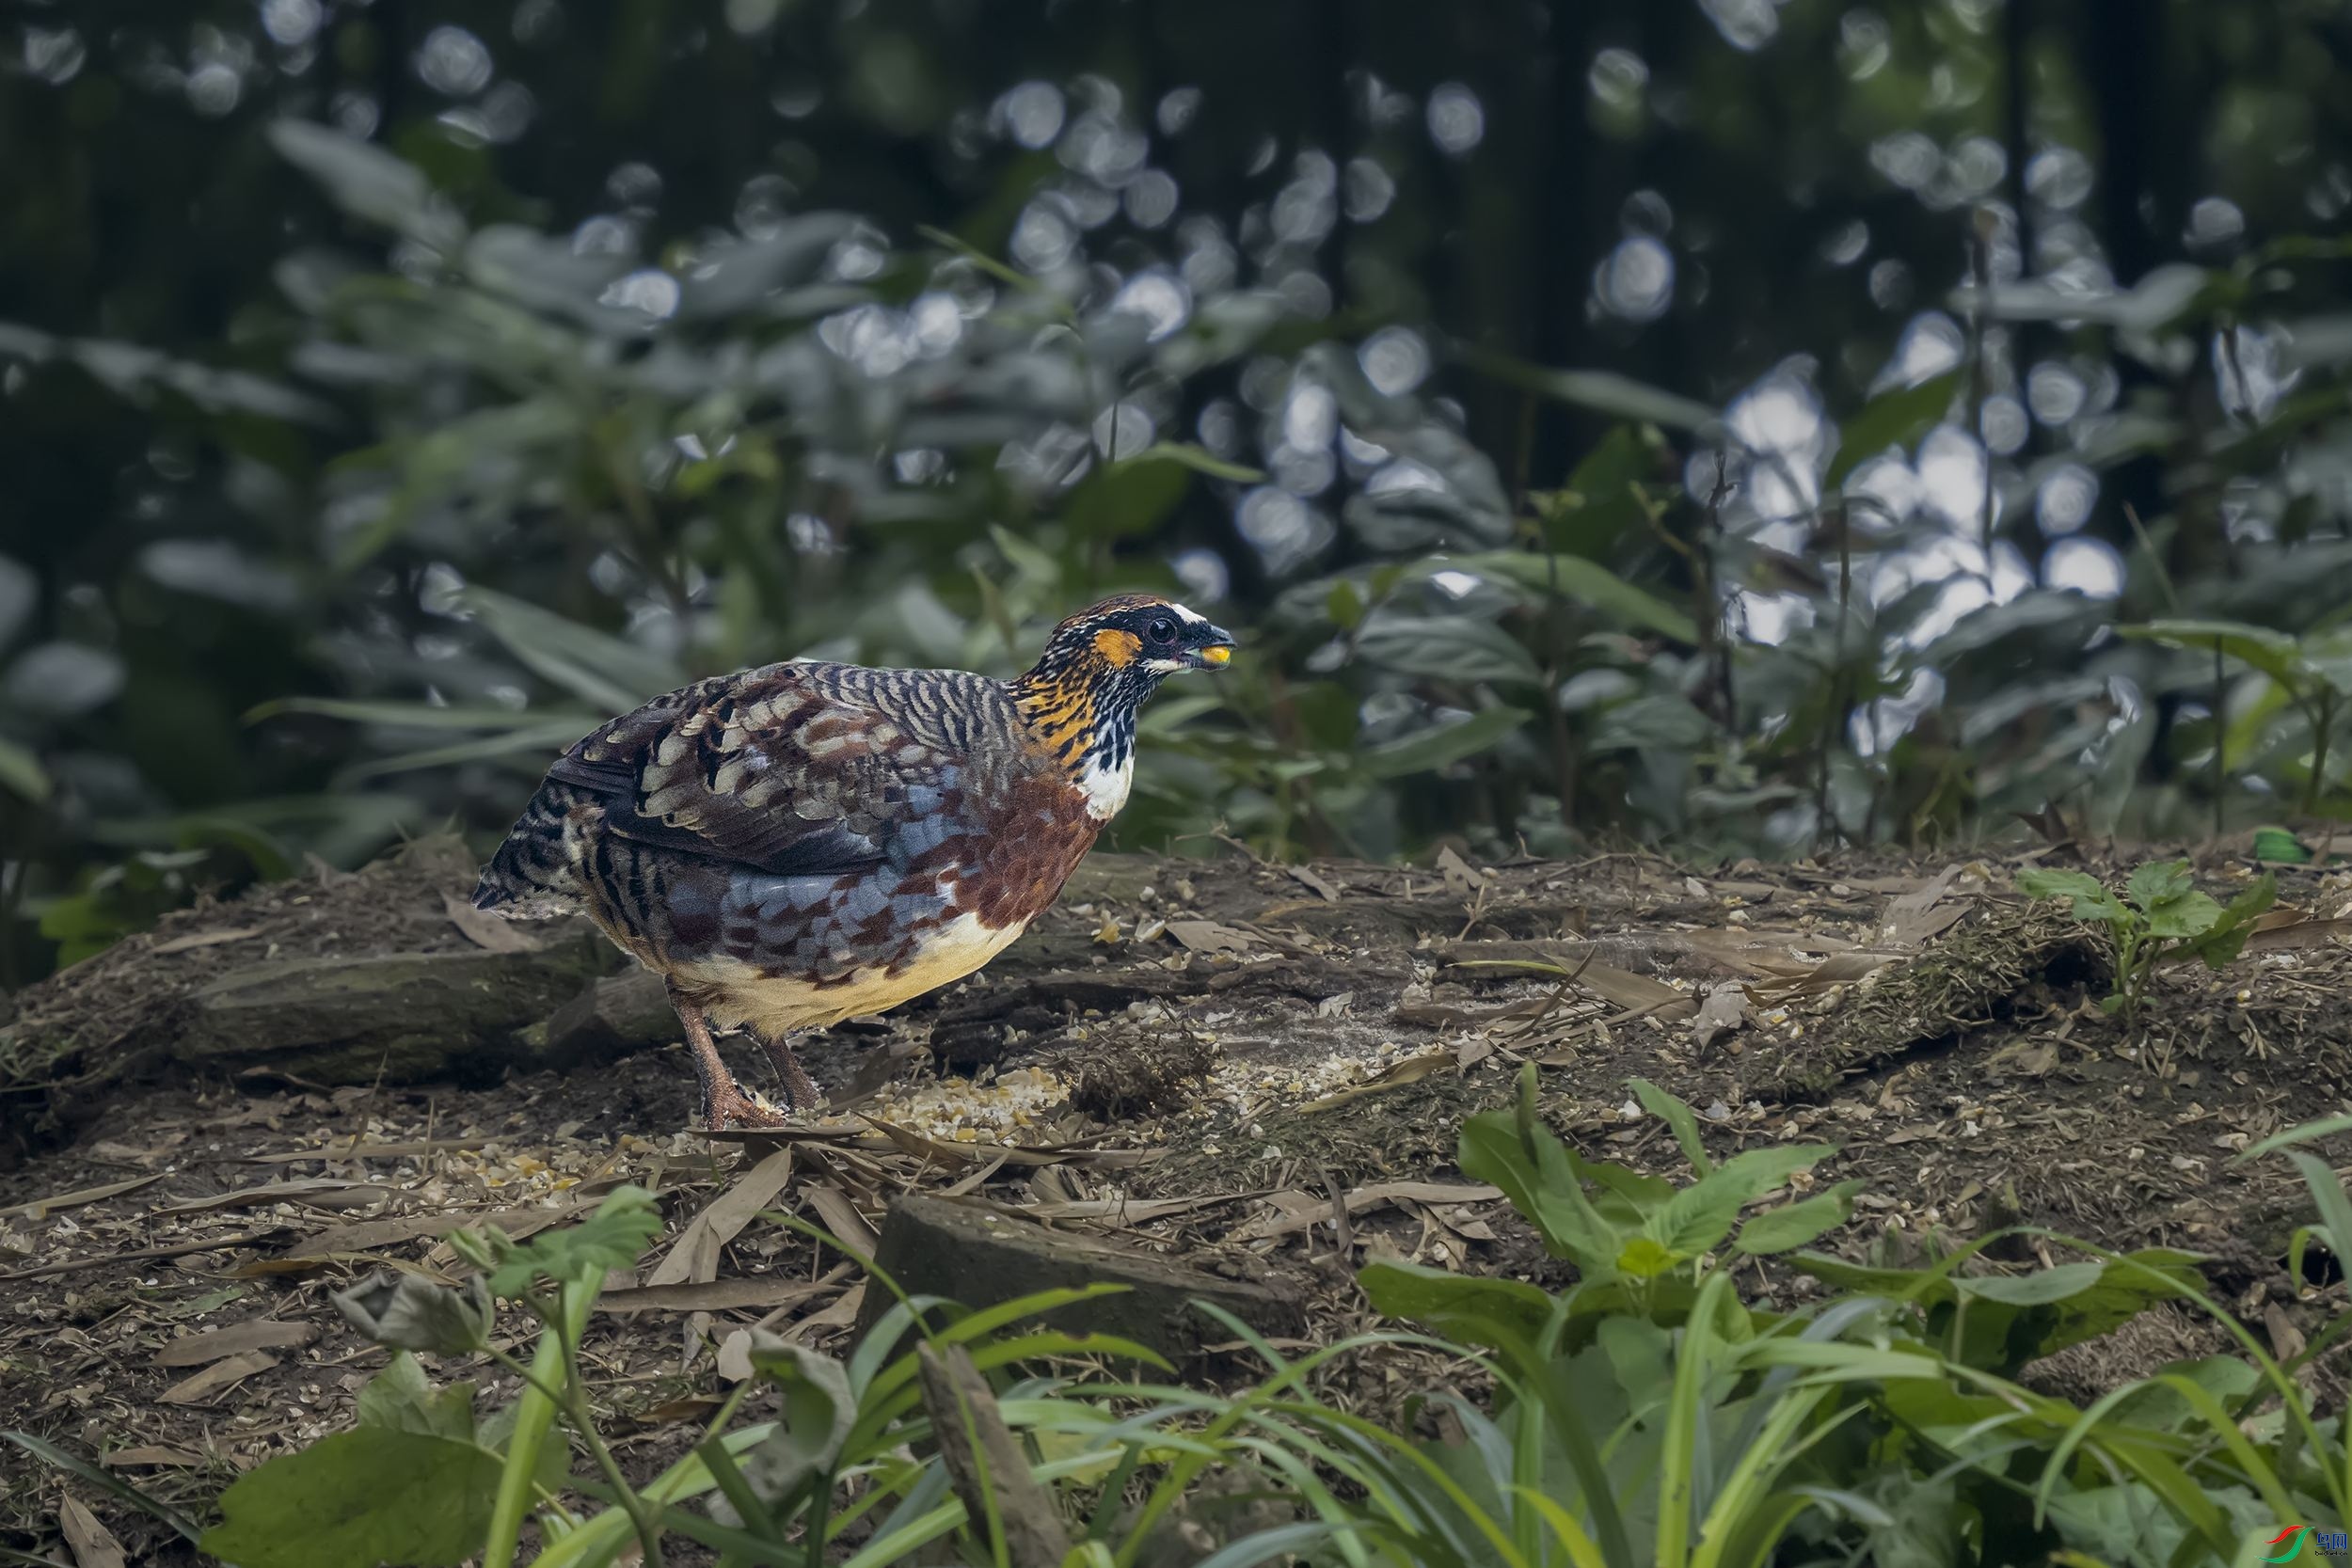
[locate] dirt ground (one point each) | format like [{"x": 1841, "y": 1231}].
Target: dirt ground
[{"x": 1202, "y": 1057}]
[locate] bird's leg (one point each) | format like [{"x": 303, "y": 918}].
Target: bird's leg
[
  {"x": 800, "y": 1090},
  {"x": 724, "y": 1102}
]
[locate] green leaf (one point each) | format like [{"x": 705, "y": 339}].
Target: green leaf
[
  {"x": 606, "y": 673},
  {"x": 1703, "y": 1213},
  {"x": 1603, "y": 391},
  {"x": 2226, "y": 940},
  {"x": 1130, "y": 496},
  {"x": 411, "y": 1312},
  {"x": 1447, "y": 647},
  {"x": 2040, "y": 1287},
  {"x": 1477, "y": 1309},
  {"x": 359, "y": 1499},
  {"x": 1799, "y": 1224},
  {"x": 2259, "y": 647},
  {"x": 1659, "y": 719},
  {"x": 1531, "y": 1167},
  {"x": 2191, "y": 915},
  {"x": 1643, "y": 1259},
  {"x": 818, "y": 1412},
  {"x": 1587, "y": 582},
  {"x": 1895, "y": 417},
  {"x": 400, "y": 1399},
  {"x": 367, "y": 182},
  {"x": 22, "y": 771},
  {"x": 2278, "y": 846},
  {"x": 610, "y": 1238},
  {"x": 1445, "y": 744},
  {"x": 1675, "y": 1115},
  {"x": 2036, "y": 882},
  {"x": 2157, "y": 882}
]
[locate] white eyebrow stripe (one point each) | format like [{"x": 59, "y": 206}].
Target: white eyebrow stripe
[{"x": 1193, "y": 616}]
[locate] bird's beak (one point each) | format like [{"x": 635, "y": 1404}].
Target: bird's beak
[{"x": 1217, "y": 647}]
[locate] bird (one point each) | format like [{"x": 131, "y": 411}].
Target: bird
[{"x": 802, "y": 843}]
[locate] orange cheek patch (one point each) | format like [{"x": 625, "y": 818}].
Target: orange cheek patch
[{"x": 1119, "y": 647}]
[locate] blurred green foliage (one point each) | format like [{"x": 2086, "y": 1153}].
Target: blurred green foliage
[{"x": 393, "y": 391}]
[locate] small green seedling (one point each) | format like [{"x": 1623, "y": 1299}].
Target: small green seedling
[{"x": 2160, "y": 917}]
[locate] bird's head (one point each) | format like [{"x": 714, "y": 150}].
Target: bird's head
[{"x": 1081, "y": 696}]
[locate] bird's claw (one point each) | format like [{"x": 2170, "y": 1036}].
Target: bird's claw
[{"x": 735, "y": 1107}]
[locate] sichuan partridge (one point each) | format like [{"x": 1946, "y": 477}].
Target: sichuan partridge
[{"x": 796, "y": 845}]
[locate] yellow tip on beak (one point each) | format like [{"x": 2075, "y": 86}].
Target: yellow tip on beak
[{"x": 1214, "y": 657}]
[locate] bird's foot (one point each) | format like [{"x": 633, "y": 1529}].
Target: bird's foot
[{"x": 733, "y": 1106}]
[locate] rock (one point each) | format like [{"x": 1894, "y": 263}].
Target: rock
[
  {"x": 398, "y": 1018},
  {"x": 980, "y": 1255},
  {"x": 622, "y": 1013}
]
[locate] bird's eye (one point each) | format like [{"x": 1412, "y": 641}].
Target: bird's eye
[{"x": 1162, "y": 630}]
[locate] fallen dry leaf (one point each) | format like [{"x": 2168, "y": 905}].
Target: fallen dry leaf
[
  {"x": 1724, "y": 1012},
  {"x": 194, "y": 1350},
  {"x": 367, "y": 1235},
  {"x": 216, "y": 1378},
  {"x": 41, "y": 1207},
  {"x": 204, "y": 939},
  {"x": 841, "y": 1314},
  {"x": 1306, "y": 879},
  {"x": 841, "y": 1217},
  {"x": 1299, "y": 1215},
  {"x": 695, "y": 1256},
  {"x": 1209, "y": 936},
  {"x": 93, "y": 1545},
  {"x": 1412, "y": 1069},
  {"x": 325, "y": 1192},
  {"x": 151, "y": 1455},
  {"x": 713, "y": 1295},
  {"x": 491, "y": 933}
]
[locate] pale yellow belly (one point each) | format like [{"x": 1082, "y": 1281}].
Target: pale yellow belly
[{"x": 739, "y": 995}]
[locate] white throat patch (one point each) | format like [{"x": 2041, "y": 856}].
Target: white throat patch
[{"x": 1105, "y": 787}]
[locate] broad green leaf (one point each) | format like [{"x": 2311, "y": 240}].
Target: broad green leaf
[
  {"x": 359, "y": 1498},
  {"x": 1644, "y": 1258},
  {"x": 1129, "y": 496},
  {"x": 606, "y": 673},
  {"x": 1445, "y": 744},
  {"x": 413, "y": 1312},
  {"x": 1702, "y": 1214},
  {"x": 22, "y": 771},
  {"x": 611, "y": 1238},
  {"x": 401, "y": 1399},
  {"x": 1602, "y": 392},
  {"x": 1482, "y": 1309},
  {"x": 1541, "y": 1185},
  {"x": 2279, "y": 847},
  {"x": 2190, "y": 914},
  {"x": 2037, "y": 882},
  {"x": 1656, "y": 720},
  {"x": 1799, "y": 1224},
  {"x": 818, "y": 1412},
  {"x": 1582, "y": 581},
  {"x": 2159, "y": 882},
  {"x": 2226, "y": 940},
  {"x": 367, "y": 182},
  {"x": 1675, "y": 1115},
  {"x": 2042, "y": 1286},
  {"x": 1896, "y": 418},
  {"x": 1447, "y": 647},
  {"x": 2259, "y": 647}
]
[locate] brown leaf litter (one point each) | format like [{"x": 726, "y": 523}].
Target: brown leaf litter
[{"x": 1265, "y": 1066}]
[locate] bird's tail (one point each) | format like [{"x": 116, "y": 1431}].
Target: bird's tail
[{"x": 531, "y": 875}]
